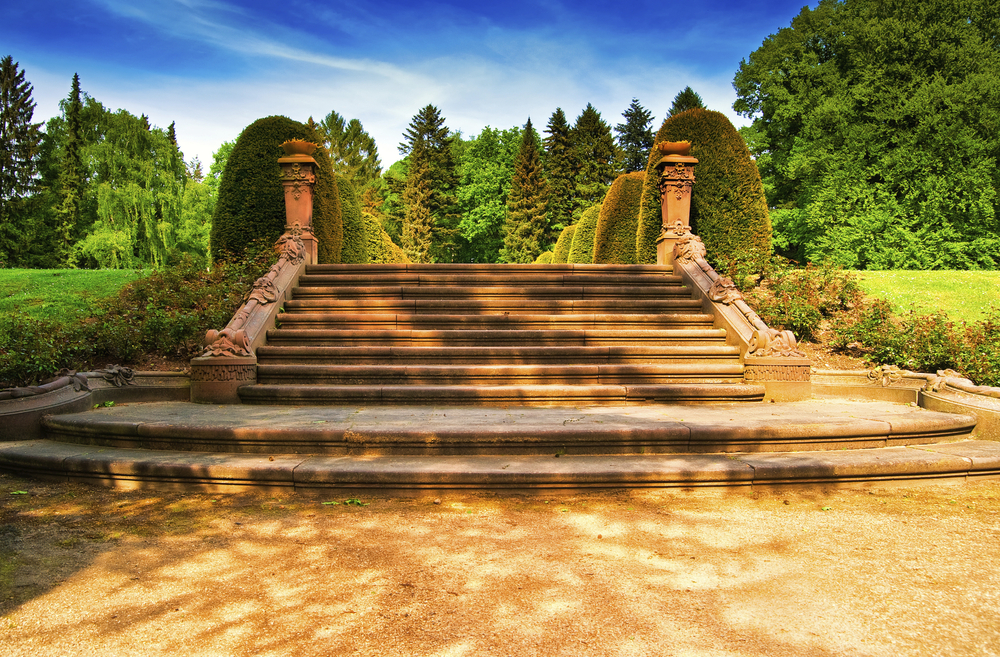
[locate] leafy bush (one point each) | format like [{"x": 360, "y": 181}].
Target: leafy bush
[
  {"x": 582, "y": 248},
  {"x": 544, "y": 258},
  {"x": 728, "y": 208},
  {"x": 614, "y": 237},
  {"x": 166, "y": 313},
  {"x": 561, "y": 252}
]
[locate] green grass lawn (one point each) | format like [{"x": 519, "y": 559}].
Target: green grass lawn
[
  {"x": 962, "y": 295},
  {"x": 60, "y": 295}
]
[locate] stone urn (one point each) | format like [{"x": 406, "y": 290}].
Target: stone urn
[
  {"x": 298, "y": 148},
  {"x": 682, "y": 148}
]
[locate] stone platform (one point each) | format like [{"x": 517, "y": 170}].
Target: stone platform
[{"x": 419, "y": 449}]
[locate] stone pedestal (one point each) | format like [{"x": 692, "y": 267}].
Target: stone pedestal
[
  {"x": 298, "y": 175},
  {"x": 784, "y": 379},
  {"x": 216, "y": 379},
  {"x": 676, "y": 170}
]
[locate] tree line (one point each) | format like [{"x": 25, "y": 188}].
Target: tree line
[{"x": 96, "y": 188}]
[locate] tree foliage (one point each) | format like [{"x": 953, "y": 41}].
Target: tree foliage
[
  {"x": 582, "y": 248},
  {"x": 20, "y": 141},
  {"x": 353, "y": 152},
  {"x": 615, "y": 234},
  {"x": 878, "y": 130},
  {"x": 595, "y": 153},
  {"x": 685, "y": 99},
  {"x": 560, "y": 170},
  {"x": 527, "y": 224},
  {"x": 418, "y": 219},
  {"x": 485, "y": 172},
  {"x": 560, "y": 254},
  {"x": 635, "y": 137}
]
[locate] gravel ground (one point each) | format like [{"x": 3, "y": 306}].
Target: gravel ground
[{"x": 895, "y": 571}]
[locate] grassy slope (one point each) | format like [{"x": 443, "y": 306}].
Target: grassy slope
[
  {"x": 962, "y": 295},
  {"x": 59, "y": 295}
]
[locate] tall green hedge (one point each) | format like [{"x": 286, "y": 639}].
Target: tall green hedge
[
  {"x": 614, "y": 236},
  {"x": 355, "y": 244},
  {"x": 544, "y": 258},
  {"x": 251, "y": 204},
  {"x": 582, "y": 249},
  {"x": 728, "y": 206},
  {"x": 561, "y": 253},
  {"x": 379, "y": 247}
]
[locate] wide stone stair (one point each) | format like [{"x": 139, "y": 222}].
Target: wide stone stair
[{"x": 495, "y": 335}]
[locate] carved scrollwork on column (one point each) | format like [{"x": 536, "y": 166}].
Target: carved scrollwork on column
[
  {"x": 724, "y": 290},
  {"x": 774, "y": 343},
  {"x": 227, "y": 342},
  {"x": 688, "y": 249}
]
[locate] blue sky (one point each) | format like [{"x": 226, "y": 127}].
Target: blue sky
[{"x": 214, "y": 66}]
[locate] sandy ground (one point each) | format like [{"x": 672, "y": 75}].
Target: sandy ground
[{"x": 899, "y": 571}]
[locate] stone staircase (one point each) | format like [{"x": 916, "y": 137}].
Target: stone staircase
[{"x": 495, "y": 335}]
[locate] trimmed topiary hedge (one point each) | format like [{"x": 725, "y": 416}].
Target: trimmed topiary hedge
[
  {"x": 544, "y": 258},
  {"x": 251, "y": 204},
  {"x": 582, "y": 249},
  {"x": 614, "y": 236},
  {"x": 561, "y": 251},
  {"x": 379, "y": 247},
  {"x": 728, "y": 206},
  {"x": 355, "y": 244}
]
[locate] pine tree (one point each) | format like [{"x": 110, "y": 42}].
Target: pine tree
[
  {"x": 560, "y": 172},
  {"x": 526, "y": 225},
  {"x": 428, "y": 129},
  {"x": 352, "y": 150},
  {"x": 418, "y": 222},
  {"x": 172, "y": 133},
  {"x": 685, "y": 100},
  {"x": 595, "y": 151},
  {"x": 20, "y": 140},
  {"x": 71, "y": 177},
  {"x": 635, "y": 137}
]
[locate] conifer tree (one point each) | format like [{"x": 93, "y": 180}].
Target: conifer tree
[
  {"x": 595, "y": 152},
  {"x": 352, "y": 149},
  {"x": 418, "y": 221},
  {"x": 560, "y": 172},
  {"x": 172, "y": 132},
  {"x": 526, "y": 225},
  {"x": 71, "y": 176},
  {"x": 635, "y": 137},
  {"x": 19, "y": 145},
  {"x": 686, "y": 99},
  {"x": 427, "y": 128}
]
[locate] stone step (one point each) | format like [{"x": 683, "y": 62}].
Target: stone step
[
  {"x": 565, "y": 338},
  {"x": 442, "y": 429},
  {"x": 500, "y": 395},
  {"x": 494, "y": 355},
  {"x": 484, "y": 292},
  {"x": 511, "y": 321},
  {"x": 488, "y": 269},
  {"x": 666, "y": 283},
  {"x": 511, "y": 305},
  {"x": 727, "y": 371}
]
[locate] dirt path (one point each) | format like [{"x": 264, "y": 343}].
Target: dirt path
[{"x": 87, "y": 571}]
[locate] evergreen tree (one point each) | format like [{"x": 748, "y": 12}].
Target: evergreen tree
[
  {"x": 71, "y": 177},
  {"x": 352, "y": 150},
  {"x": 418, "y": 221},
  {"x": 20, "y": 140},
  {"x": 526, "y": 226},
  {"x": 560, "y": 173},
  {"x": 635, "y": 137},
  {"x": 172, "y": 133},
  {"x": 595, "y": 152},
  {"x": 685, "y": 100},
  {"x": 427, "y": 128}
]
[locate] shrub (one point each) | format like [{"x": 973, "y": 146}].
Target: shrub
[
  {"x": 251, "y": 203},
  {"x": 354, "y": 248},
  {"x": 561, "y": 251},
  {"x": 380, "y": 248},
  {"x": 728, "y": 207},
  {"x": 582, "y": 248},
  {"x": 544, "y": 258},
  {"x": 614, "y": 236}
]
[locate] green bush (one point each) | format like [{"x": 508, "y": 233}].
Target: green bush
[
  {"x": 380, "y": 248},
  {"x": 582, "y": 248},
  {"x": 251, "y": 203},
  {"x": 166, "y": 313},
  {"x": 728, "y": 208},
  {"x": 561, "y": 252},
  {"x": 354, "y": 249},
  {"x": 614, "y": 236},
  {"x": 544, "y": 258}
]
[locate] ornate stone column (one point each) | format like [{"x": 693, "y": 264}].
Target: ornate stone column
[
  {"x": 298, "y": 175},
  {"x": 676, "y": 169}
]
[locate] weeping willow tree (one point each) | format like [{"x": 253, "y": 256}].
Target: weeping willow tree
[{"x": 139, "y": 182}]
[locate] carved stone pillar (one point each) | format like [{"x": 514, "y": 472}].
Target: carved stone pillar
[
  {"x": 298, "y": 175},
  {"x": 676, "y": 169}
]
